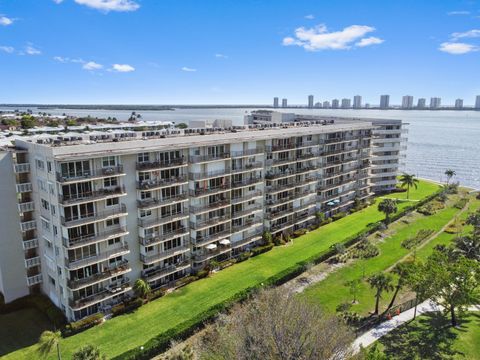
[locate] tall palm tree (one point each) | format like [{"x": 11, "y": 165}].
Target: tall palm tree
[
  {"x": 380, "y": 282},
  {"x": 450, "y": 173},
  {"x": 408, "y": 181},
  {"x": 388, "y": 207},
  {"x": 403, "y": 270},
  {"x": 141, "y": 288},
  {"x": 48, "y": 341}
]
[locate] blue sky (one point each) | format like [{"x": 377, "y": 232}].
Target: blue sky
[{"x": 232, "y": 51}]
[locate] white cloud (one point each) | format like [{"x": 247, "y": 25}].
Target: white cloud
[
  {"x": 319, "y": 38},
  {"x": 110, "y": 5},
  {"x": 122, "y": 68},
  {"x": 5, "y": 21},
  {"x": 7, "y": 49},
  {"x": 221, "y": 56},
  {"x": 309, "y": 17},
  {"x": 457, "y": 48},
  {"x": 57, "y": 1},
  {"x": 30, "y": 50},
  {"x": 68, "y": 60},
  {"x": 369, "y": 41},
  {"x": 467, "y": 34},
  {"x": 187, "y": 69},
  {"x": 92, "y": 65},
  {"x": 459, "y": 12}
]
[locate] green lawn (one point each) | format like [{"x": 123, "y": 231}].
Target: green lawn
[
  {"x": 430, "y": 336},
  {"x": 21, "y": 328},
  {"x": 331, "y": 292},
  {"x": 133, "y": 330}
]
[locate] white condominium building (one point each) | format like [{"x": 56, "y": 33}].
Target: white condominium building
[{"x": 88, "y": 214}]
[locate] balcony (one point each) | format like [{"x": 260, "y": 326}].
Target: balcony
[
  {"x": 209, "y": 207},
  {"x": 90, "y": 174},
  {"x": 156, "y": 273},
  {"x": 339, "y": 139},
  {"x": 159, "y": 220},
  {"x": 30, "y": 244},
  {"x": 34, "y": 280},
  {"x": 209, "y": 190},
  {"x": 247, "y": 211},
  {"x": 247, "y": 167},
  {"x": 26, "y": 206},
  {"x": 151, "y": 203},
  {"x": 274, "y": 214},
  {"x": 150, "y": 259},
  {"x": 249, "y": 222},
  {"x": 24, "y": 187},
  {"x": 290, "y": 197},
  {"x": 245, "y": 241},
  {"x": 201, "y": 224},
  {"x": 116, "y": 211},
  {"x": 209, "y": 174},
  {"x": 210, "y": 157},
  {"x": 283, "y": 161},
  {"x": 96, "y": 258},
  {"x": 117, "y": 269},
  {"x": 120, "y": 287},
  {"x": 31, "y": 262},
  {"x": 246, "y": 182},
  {"x": 298, "y": 218},
  {"x": 290, "y": 172},
  {"x": 80, "y": 241},
  {"x": 156, "y": 238},
  {"x": 248, "y": 152},
  {"x": 159, "y": 183},
  {"x": 201, "y": 240},
  {"x": 332, "y": 185},
  {"x": 154, "y": 165},
  {"x": 205, "y": 254},
  {"x": 22, "y": 168},
  {"x": 92, "y": 195},
  {"x": 243, "y": 198},
  {"x": 281, "y": 147},
  {"x": 28, "y": 225}
]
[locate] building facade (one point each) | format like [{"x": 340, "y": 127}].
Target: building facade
[
  {"x": 407, "y": 102},
  {"x": 435, "y": 102},
  {"x": 422, "y": 103},
  {"x": 310, "y": 101},
  {"x": 384, "y": 101},
  {"x": 357, "y": 102},
  {"x": 459, "y": 104}
]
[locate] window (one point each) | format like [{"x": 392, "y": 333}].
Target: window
[
  {"x": 111, "y": 222},
  {"x": 114, "y": 241},
  {"x": 109, "y": 182},
  {"x": 40, "y": 164},
  {"x": 45, "y": 225},
  {"x": 108, "y": 161},
  {"x": 143, "y": 157},
  {"x": 144, "y": 213},
  {"x": 53, "y": 210},
  {"x": 112, "y": 201},
  {"x": 251, "y": 188},
  {"x": 145, "y": 195},
  {"x": 42, "y": 185},
  {"x": 45, "y": 204},
  {"x": 51, "y": 188},
  {"x": 55, "y": 230},
  {"x": 143, "y": 176},
  {"x": 49, "y": 166}
]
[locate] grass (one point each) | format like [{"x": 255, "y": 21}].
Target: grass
[
  {"x": 430, "y": 336},
  {"x": 21, "y": 328},
  {"x": 331, "y": 292},
  {"x": 133, "y": 330}
]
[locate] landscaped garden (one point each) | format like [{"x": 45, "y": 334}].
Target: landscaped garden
[{"x": 184, "y": 306}]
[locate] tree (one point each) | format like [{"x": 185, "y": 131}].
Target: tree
[
  {"x": 276, "y": 325},
  {"x": 88, "y": 352},
  {"x": 388, "y": 207},
  {"x": 468, "y": 246},
  {"x": 474, "y": 220},
  {"x": 320, "y": 216},
  {"x": 380, "y": 282},
  {"x": 267, "y": 237},
  {"x": 450, "y": 173},
  {"x": 141, "y": 288},
  {"x": 453, "y": 280},
  {"x": 48, "y": 341},
  {"x": 353, "y": 288},
  {"x": 402, "y": 270},
  {"x": 408, "y": 181}
]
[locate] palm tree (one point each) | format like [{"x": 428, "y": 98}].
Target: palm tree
[
  {"x": 450, "y": 173},
  {"x": 353, "y": 288},
  {"x": 48, "y": 341},
  {"x": 88, "y": 352},
  {"x": 403, "y": 270},
  {"x": 388, "y": 207},
  {"x": 408, "y": 181},
  {"x": 141, "y": 288},
  {"x": 380, "y": 282}
]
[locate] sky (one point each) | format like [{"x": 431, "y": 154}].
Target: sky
[{"x": 237, "y": 52}]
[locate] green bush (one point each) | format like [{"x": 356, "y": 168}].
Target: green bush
[
  {"x": 261, "y": 249},
  {"x": 83, "y": 324},
  {"x": 419, "y": 237},
  {"x": 299, "y": 232},
  {"x": 244, "y": 256},
  {"x": 203, "y": 273},
  {"x": 339, "y": 215},
  {"x": 460, "y": 204}
]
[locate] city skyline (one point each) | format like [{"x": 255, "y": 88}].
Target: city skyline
[{"x": 49, "y": 56}]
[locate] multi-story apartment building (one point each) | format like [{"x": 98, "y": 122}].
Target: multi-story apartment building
[
  {"x": 96, "y": 212},
  {"x": 422, "y": 103},
  {"x": 407, "y": 102},
  {"x": 357, "y": 102},
  {"x": 346, "y": 103},
  {"x": 435, "y": 102},
  {"x": 384, "y": 101},
  {"x": 459, "y": 104}
]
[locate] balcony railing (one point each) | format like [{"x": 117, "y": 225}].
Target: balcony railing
[
  {"x": 159, "y": 220},
  {"x": 281, "y": 147},
  {"x": 209, "y": 157},
  {"x": 35, "y": 261},
  {"x": 34, "y": 280},
  {"x": 112, "y": 290},
  {"x": 250, "y": 210},
  {"x": 83, "y": 240},
  {"x": 156, "y": 273},
  {"x": 211, "y": 206},
  {"x": 248, "y": 152},
  {"x": 206, "y": 239},
  {"x": 150, "y": 259},
  {"x": 95, "y": 258},
  {"x": 242, "y": 198},
  {"x": 251, "y": 238},
  {"x": 117, "y": 269},
  {"x": 334, "y": 184},
  {"x": 30, "y": 244},
  {"x": 161, "y": 164},
  {"x": 298, "y": 218},
  {"x": 152, "y": 184},
  {"x": 209, "y": 190},
  {"x": 28, "y": 225},
  {"x": 95, "y": 216},
  {"x": 208, "y": 254},
  {"x": 209, "y": 174},
  {"x": 92, "y": 195},
  {"x": 246, "y": 182},
  {"x": 200, "y": 224},
  {"x": 290, "y": 197},
  {"x": 22, "y": 168},
  {"x": 247, "y": 223},
  {"x": 247, "y": 167},
  {"x": 26, "y": 206},
  {"x": 155, "y": 238},
  {"x": 88, "y": 174},
  {"x": 154, "y": 202},
  {"x": 24, "y": 187}
]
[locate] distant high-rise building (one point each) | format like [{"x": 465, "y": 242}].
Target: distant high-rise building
[
  {"x": 275, "y": 102},
  {"x": 477, "y": 102},
  {"x": 318, "y": 105},
  {"x": 367, "y": 106},
  {"x": 459, "y": 104},
  {"x": 384, "y": 101},
  {"x": 357, "y": 102},
  {"x": 407, "y": 102},
  {"x": 326, "y": 104},
  {"x": 310, "y": 101},
  {"x": 335, "y": 104},
  {"x": 435, "y": 102},
  {"x": 422, "y": 102},
  {"x": 346, "y": 103},
  {"x": 284, "y": 103}
]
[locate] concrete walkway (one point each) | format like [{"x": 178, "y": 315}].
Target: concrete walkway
[{"x": 384, "y": 328}]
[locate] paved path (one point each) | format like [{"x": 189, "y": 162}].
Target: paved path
[{"x": 384, "y": 328}]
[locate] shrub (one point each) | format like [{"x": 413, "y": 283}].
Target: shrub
[
  {"x": 83, "y": 324},
  {"x": 261, "y": 249},
  {"x": 299, "y": 232},
  {"x": 460, "y": 204},
  {"x": 419, "y": 237},
  {"x": 326, "y": 221},
  {"x": 244, "y": 256},
  {"x": 186, "y": 280},
  {"x": 339, "y": 215},
  {"x": 203, "y": 273},
  {"x": 155, "y": 294}
]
